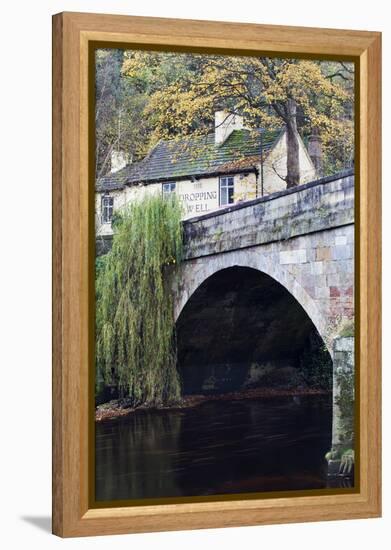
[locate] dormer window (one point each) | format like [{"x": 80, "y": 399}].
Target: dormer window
[
  {"x": 168, "y": 188},
  {"x": 107, "y": 208}
]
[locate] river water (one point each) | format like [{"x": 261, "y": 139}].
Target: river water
[{"x": 219, "y": 447}]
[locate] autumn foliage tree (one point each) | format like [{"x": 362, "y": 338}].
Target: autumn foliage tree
[{"x": 302, "y": 95}]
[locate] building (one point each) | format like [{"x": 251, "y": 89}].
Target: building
[{"x": 206, "y": 172}]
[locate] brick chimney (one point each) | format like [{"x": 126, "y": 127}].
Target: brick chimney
[
  {"x": 315, "y": 150},
  {"x": 225, "y": 124}
]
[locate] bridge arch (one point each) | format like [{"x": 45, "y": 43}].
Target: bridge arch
[
  {"x": 312, "y": 257},
  {"x": 193, "y": 273},
  {"x": 242, "y": 329}
]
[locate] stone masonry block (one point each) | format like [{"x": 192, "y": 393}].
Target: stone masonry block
[
  {"x": 335, "y": 292},
  {"x": 321, "y": 292},
  {"x": 323, "y": 253},
  {"x": 307, "y": 280},
  {"x": 340, "y": 280},
  {"x": 311, "y": 254},
  {"x": 334, "y": 197},
  {"x": 350, "y": 235},
  {"x": 328, "y": 238},
  {"x": 346, "y": 266},
  {"x": 344, "y": 344},
  {"x": 293, "y": 256},
  {"x": 335, "y": 186},
  {"x": 341, "y": 240},
  {"x": 317, "y": 268},
  {"x": 342, "y": 252},
  {"x": 330, "y": 267}
]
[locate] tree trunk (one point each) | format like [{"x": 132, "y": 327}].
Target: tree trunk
[{"x": 293, "y": 160}]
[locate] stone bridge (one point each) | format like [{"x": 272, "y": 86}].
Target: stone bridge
[{"x": 302, "y": 241}]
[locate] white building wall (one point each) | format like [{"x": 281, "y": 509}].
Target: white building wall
[
  {"x": 198, "y": 197},
  {"x": 246, "y": 187},
  {"x": 122, "y": 197},
  {"x": 102, "y": 229},
  {"x": 202, "y": 195},
  {"x": 274, "y": 168}
]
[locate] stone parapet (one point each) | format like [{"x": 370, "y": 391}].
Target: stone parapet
[{"x": 310, "y": 208}]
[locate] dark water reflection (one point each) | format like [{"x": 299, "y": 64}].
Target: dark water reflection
[{"x": 216, "y": 448}]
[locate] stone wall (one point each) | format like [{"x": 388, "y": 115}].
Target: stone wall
[
  {"x": 343, "y": 393},
  {"x": 341, "y": 457},
  {"x": 303, "y": 238},
  {"x": 313, "y": 207}
]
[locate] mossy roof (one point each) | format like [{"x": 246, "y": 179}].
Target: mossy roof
[{"x": 195, "y": 157}]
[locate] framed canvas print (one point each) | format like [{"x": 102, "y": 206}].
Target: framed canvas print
[{"x": 216, "y": 239}]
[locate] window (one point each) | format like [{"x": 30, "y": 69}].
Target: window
[
  {"x": 226, "y": 190},
  {"x": 107, "y": 208},
  {"x": 168, "y": 188}
]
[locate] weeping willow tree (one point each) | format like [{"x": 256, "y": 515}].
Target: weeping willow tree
[{"x": 135, "y": 342}]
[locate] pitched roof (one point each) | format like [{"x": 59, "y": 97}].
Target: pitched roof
[{"x": 195, "y": 156}]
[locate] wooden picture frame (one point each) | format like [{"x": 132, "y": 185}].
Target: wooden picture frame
[{"x": 73, "y": 221}]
